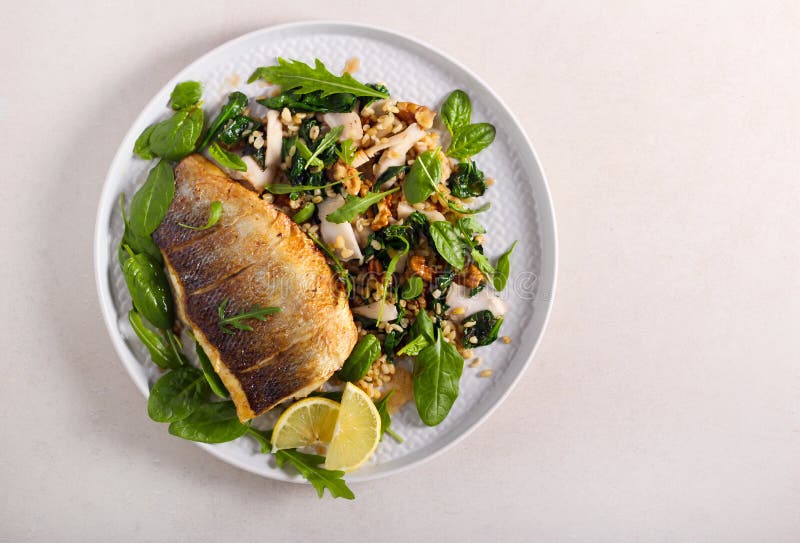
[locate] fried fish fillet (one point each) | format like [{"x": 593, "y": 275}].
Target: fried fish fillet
[{"x": 254, "y": 256}]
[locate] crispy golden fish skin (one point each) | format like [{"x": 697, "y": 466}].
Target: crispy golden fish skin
[{"x": 254, "y": 256}]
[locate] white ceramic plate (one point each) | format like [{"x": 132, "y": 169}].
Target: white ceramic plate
[{"x": 521, "y": 210}]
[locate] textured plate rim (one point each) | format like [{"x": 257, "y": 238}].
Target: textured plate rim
[{"x": 549, "y": 238}]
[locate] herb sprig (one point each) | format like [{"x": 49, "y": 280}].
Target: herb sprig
[{"x": 228, "y": 323}]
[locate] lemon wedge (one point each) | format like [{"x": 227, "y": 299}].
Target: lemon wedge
[
  {"x": 356, "y": 433},
  {"x": 310, "y": 421}
]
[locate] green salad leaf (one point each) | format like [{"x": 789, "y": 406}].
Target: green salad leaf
[
  {"x": 366, "y": 351},
  {"x": 230, "y": 322},
  {"x": 437, "y": 371},
  {"x": 382, "y": 406},
  {"x": 177, "y": 136},
  {"x": 150, "y": 203},
  {"x": 296, "y": 76},
  {"x": 214, "y": 422},
  {"x": 354, "y": 206},
  {"x": 308, "y": 465},
  {"x": 449, "y": 243},
  {"x": 347, "y": 151},
  {"x": 177, "y": 394},
  {"x": 149, "y": 289},
  {"x": 471, "y": 140},
  {"x": 210, "y": 374},
  {"x": 185, "y": 94},
  {"x": 503, "y": 269},
  {"x": 424, "y": 177},
  {"x": 456, "y": 111},
  {"x": 237, "y": 101},
  {"x": 413, "y": 288},
  {"x": 162, "y": 354},
  {"x": 305, "y": 213},
  {"x": 328, "y": 140},
  {"x": 225, "y": 158},
  {"x": 214, "y": 214},
  {"x": 483, "y": 326}
]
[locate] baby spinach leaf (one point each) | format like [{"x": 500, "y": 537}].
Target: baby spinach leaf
[
  {"x": 437, "y": 371},
  {"x": 214, "y": 214},
  {"x": 235, "y": 129},
  {"x": 382, "y": 406},
  {"x": 237, "y": 101},
  {"x": 355, "y": 206},
  {"x": 449, "y": 243},
  {"x": 142, "y": 145},
  {"x": 136, "y": 242},
  {"x": 226, "y": 159},
  {"x": 467, "y": 181},
  {"x": 456, "y": 111},
  {"x": 150, "y": 203},
  {"x": 308, "y": 465},
  {"x": 413, "y": 347},
  {"x": 176, "y": 137},
  {"x": 301, "y": 78},
  {"x": 347, "y": 151},
  {"x": 149, "y": 290},
  {"x": 484, "y": 328},
  {"x": 503, "y": 269},
  {"x": 366, "y": 351},
  {"x": 470, "y": 227},
  {"x": 210, "y": 423},
  {"x": 210, "y": 374},
  {"x": 177, "y": 394},
  {"x": 311, "y": 102},
  {"x": 185, "y": 94},
  {"x": 424, "y": 177},
  {"x": 423, "y": 326},
  {"x": 413, "y": 288},
  {"x": 175, "y": 346},
  {"x": 304, "y": 214},
  {"x": 471, "y": 140},
  {"x": 161, "y": 354}
]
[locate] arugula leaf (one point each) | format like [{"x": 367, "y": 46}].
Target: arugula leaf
[
  {"x": 185, "y": 94},
  {"x": 214, "y": 422},
  {"x": 237, "y": 101},
  {"x": 461, "y": 210},
  {"x": 482, "y": 263},
  {"x": 355, "y": 205},
  {"x": 150, "y": 203},
  {"x": 484, "y": 327},
  {"x": 503, "y": 269},
  {"x": 304, "y": 214},
  {"x": 226, "y": 159},
  {"x": 347, "y": 151},
  {"x": 227, "y": 324},
  {"x": 161, "y": 354},
  {"x": 449, "y": 244},
  {"x": 413, "y": 288},
  {"x": 341, "y": 271},
  {"x": 456, "y": 111},
  {"x": 301, "y": 78},
  {"x": 437, "y": 371},
  {"x": 285, "y": 188},
  {"x": 327, "y": 141},
  {"x": 149, "y": 289},
  {"x": 214, "y": 214},
  {"x": 469, "y": 227},
  {"x": 142, "y": 145},
  {"x": 424, "y": 177},
  {"x": 264, "y": 439},
  {"x": 210, "y": 374},
  {"x": 471, "y": 140},
  {"x": 177, "y": 394},
  {"x": 382, "y": 406},
  {"x": 176, "y": 137},
  {"x": 366, "y": 351},
  {"x": 309, "y": 467}
]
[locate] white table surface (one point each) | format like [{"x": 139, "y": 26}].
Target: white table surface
[{"x": 664, "y": 403}]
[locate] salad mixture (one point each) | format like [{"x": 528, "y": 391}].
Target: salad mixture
[{"x": 385, "y": 189}]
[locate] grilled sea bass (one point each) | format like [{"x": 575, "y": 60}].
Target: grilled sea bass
[{"x": 255, "y": 256}]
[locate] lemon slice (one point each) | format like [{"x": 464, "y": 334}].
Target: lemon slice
[
  {"x": 357, "y": 432},
  {"x": 308, "y": 422}
]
